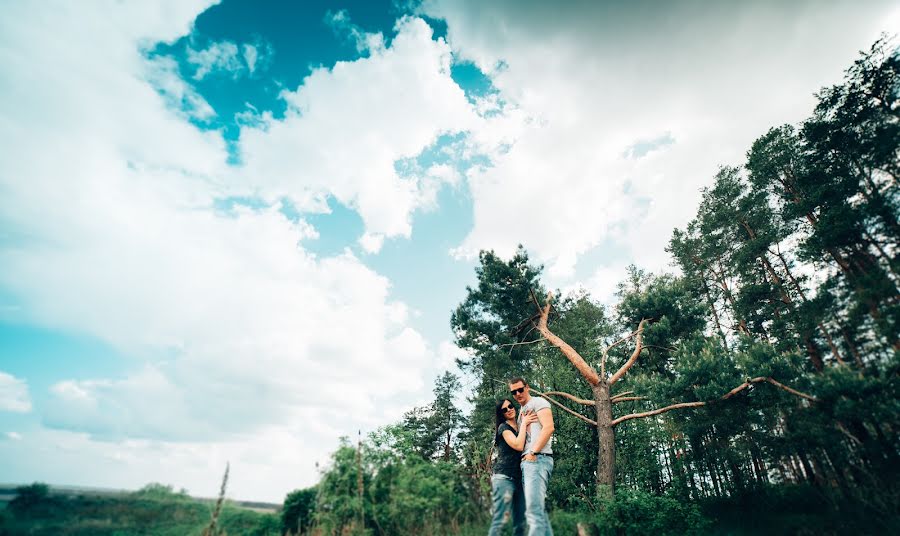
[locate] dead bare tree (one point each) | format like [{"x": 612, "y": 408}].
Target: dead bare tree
[{"x": 600, "y": 387}]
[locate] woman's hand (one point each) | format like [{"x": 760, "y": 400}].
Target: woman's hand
[{"x": 529, "y": 418}]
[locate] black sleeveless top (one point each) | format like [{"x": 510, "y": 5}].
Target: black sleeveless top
[{"x": 508, "y": 458}]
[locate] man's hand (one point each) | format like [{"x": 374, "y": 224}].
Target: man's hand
[{"x": 530, "y": 457}]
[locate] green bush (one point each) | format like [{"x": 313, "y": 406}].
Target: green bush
[
  {"x": 30, "y": 497},
  {"x": 298, "y": 510},
  {"x": 638, "y": 512}
]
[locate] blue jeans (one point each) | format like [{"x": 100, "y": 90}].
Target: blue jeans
[
  {"x": 508, "y": 502},
  {"x": 535, "y": 478}
]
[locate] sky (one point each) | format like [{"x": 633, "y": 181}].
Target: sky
[{"x": 235, "y": 231}]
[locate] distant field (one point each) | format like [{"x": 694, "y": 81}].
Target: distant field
[{"x": 153, "y": 510}]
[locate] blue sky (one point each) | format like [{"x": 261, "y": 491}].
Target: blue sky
[{"x": 236, "y": 232}]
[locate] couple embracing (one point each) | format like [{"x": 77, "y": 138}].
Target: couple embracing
[{"x": 524, "y": 462}]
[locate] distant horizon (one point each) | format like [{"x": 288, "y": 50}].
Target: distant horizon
[{"x": 77, "y": 488}]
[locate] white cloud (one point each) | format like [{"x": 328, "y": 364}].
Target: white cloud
[
  {"x": 219, "y": 56},
  {"x": 447, "y": 355},
  {"x": 257, "y": 55},
  {"x": 603, "y": 283},
  {"x": 346, "y": 127},
  {"x": 365, "y": 42},
  {"x": 585, "y": 82},
  {"x": 14, "y": 394},
  {"x": 229, "y": 58},
  {"x": 245, "y": 345},
  {"x": 264, "y": 466},
  {"x": 14, "y": 436},
  {"x": 162, "y": 74}
]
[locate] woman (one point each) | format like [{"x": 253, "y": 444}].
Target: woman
[{"x": 506, "y": 481}]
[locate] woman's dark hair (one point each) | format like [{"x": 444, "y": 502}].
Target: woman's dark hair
[{"x": 499, "y": 415}]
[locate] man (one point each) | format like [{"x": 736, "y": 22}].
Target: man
[{"x": 537, "y": 456}]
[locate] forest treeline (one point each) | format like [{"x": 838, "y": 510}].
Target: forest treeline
[{"x": 790, "y": 270}]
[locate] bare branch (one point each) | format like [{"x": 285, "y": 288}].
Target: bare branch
[
  {"x": 656, "y": 412},
  {"x": 792, "y": 391},
  {"x": 574, "y": 357},
  {"x": 726, "y": 396},
  {"x": 528, "y": 321},
  {"x": 840, "y": 426},
  {"x": 626, "y": 399},
  {"x": 606, "y": 350},
  {"x": 521, "y": 343},
  {"x": 637, "y": 351},
  {"x": 741, "y": 387},
  {"x": 613, "y": 397},
  {"x": 772, "y": 381},
  {"x": 571, "y": 397},
  {"x": 567, "y": 410},
  {"x": 623, "y": 339},
  {"x": 537, "y": 304}
]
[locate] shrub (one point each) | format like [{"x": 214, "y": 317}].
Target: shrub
[{"x": 638, "y": 512}]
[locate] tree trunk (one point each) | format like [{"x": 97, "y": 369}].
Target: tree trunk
[
  {"x": 723, "y": 284},
  {"x": 606, "y": 453}
]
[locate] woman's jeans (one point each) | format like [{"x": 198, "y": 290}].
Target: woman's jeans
[
  {"x": 535, "y": 478},
  {"x": 508, "y": 502}
]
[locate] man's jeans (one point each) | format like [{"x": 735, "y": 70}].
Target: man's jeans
[
  {"x": 535, "y": 478},
  {"x": 508, "y": 501}
]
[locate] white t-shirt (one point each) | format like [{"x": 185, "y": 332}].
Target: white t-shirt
[{"x": 535, "y": 404}]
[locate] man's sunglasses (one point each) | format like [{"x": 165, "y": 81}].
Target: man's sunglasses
[{"x": 517, "y": 391}]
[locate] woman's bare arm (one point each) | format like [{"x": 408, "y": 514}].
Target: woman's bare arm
[{"x": 517, "y": 441}]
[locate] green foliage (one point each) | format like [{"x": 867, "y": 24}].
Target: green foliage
[
  {"x": 638, "y": 512},
  {"x": 433, "y": 429},
  {"x": 797, "y": 509},
  {"x": 423, "y": 498},
  {"x": 30, "y": 497},
  {"x": 338, "y": 503},
  {"x": 298, "y": 510},
  {"x": 409, "y": 485}
]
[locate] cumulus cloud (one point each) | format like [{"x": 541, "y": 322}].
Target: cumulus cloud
[
  {"x": 346, "y": 127},
  {"x": 590, "y": 86},
  {"x": 239, "y": 335},
  {"x": 14, "y": 394}
]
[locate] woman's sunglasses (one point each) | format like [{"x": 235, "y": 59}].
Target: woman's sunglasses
[{"x": 507, "y": 408}]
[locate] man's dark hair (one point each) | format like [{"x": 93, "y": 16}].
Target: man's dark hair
[{"x": 517, "y": 380}]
